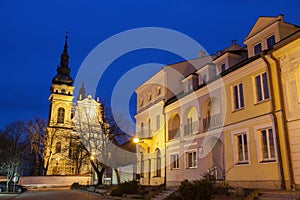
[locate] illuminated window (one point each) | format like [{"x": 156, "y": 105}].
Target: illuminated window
[
  {"x": 238, "y": 96},
  {"x": 60, "y": 115},
  {"x": 262, "y": 87},
  {"x": 191, "y": 159},
  {"x": 174, "y": 158},
  {"x": 257, "y": 49}
]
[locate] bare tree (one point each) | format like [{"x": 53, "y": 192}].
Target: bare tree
[
  {"x": 99, "y": 133},
  {"x": 13, "y": 155},
  {"x": 36, "y": 137}
]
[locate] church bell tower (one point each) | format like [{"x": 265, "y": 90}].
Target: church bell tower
[{"x": 59, "y": 128}]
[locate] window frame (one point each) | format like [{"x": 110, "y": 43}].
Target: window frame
[
  {"x": 61, "y": 115},
  {"x": 194, "y": 159},
  {"x": 269, "y": 45},
  {"x": 174, "y": 161},
  {"x": 263, "y": 89},
  {"x": 257, "y": 131},
  {"x": 255, "y": 50},
  {"x": 234, "y": 135},
  {"x": 238, "y": 98}
]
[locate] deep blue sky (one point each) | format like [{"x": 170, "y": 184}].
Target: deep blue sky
[{"x": 32, "y": 38}]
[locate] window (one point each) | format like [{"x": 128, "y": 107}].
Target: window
[
  {"x": 141, "y": 101},
  {"x": 257, "y": 49},
  {"x": 174, "y": 161},
  {"x": 60, "y": 115},
  {"x": 157, "y": 122},
  {"x": 241, "y": 144},
  {"x": 188, "y": 127},
  {"x": 58, "y": 147},
  {"x": 158, "y": 164},
  {"x": 142, "y": 165},
  {"x": 191, "y": 159},
  {"x": 238, "y": 96},
  {"x": 262, "y": 87},
  {"x": 149, "y": 96},
  {"x": 267, "y": 145},
  {"x": 223, "y": 67},
  {"x": 204, "y": 78},
  {"x": 142, "y": 129},
  {"x": 158, "y": 90},
  {"x": 270, "y": 41}
]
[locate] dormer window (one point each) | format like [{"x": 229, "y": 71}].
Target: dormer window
[
  {"x": 270, "y": 41},
  {"x": 158, "y": 90},
  {"x": 204, "y": 78},
  {"x": 223, "y": 67},
  {"x": 149, "y": 96},
  {"x": 141, "y": 101},
  {"x": 257, "y": 49}
]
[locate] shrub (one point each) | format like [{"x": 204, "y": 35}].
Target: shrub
[
  {"x": 116, "y": 191},
  {"x": 196, "y": 190},
  {"x": 75, "y": 185},
  {"x": 130, "y": 187}
]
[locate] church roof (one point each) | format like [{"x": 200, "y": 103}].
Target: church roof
[{"x": 63, "y": 70}]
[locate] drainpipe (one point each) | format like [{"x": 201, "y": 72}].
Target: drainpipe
[
  {"x": 165, "y": 135},
  {"x": 284, "y": 118},
  {"x": 281, "y": 171}
]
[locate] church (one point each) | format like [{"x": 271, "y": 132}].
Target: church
[{"x": 64, "y": 153}]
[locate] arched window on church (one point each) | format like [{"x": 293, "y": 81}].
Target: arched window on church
[
  {"x": 60, "y": 115},
  {"x": 58, "y": 147}
]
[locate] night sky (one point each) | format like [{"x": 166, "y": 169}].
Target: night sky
[{"x": 32, "y": 38}]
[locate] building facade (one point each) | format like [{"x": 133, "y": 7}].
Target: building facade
[{"x": 237, "y": 113}]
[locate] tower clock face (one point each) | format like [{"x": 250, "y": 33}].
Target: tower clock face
[{"x": 63, "y": 91}]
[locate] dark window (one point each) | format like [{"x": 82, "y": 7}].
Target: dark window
[
  {"x": 223, "y": 67},
  {"x": 60, "y": 115},
  {"x": 262, "y": 88},
  {"x": 238, "y": 96},
  {"x": 257, "y": 48},
  {"x": 158, "y": 164},
  {"x": 270, "y": 41},
  {"x": 58, "y": 147}
]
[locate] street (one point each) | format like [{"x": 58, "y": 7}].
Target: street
[{"x": 52, "y": 194}]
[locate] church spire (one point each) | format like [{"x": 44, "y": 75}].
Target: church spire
[
  {"x": 63, "y": 70},
  {"x": 81, "y": 95}
]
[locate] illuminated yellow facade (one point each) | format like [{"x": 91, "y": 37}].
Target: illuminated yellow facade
[{"x": 237, "y": 115}]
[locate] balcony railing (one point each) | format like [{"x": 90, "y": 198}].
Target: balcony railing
[
  {"x": 212, "y": 121},
  {"x": 144, "y": 134},
  {"x": 191, "y": 128}
]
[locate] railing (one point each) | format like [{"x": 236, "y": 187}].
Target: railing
[
  {"x": 191, "y": 128},
  {"x": 144, "y": 134},
  {"x": 212, "y": 121}
]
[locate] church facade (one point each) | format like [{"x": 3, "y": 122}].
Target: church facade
[{"x": 64, "y": 154}]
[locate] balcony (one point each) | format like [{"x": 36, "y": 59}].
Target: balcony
[
  {"x": 212, "y": 122},
  {"x": 142, "y": 134},
  {"x": 191, "y": 128}
]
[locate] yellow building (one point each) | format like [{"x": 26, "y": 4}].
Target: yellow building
[
  {"x": 235, "y": 117},
  {"x": 254, "y": 135}
]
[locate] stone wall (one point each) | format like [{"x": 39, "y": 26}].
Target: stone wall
[{"x": 53, "y": 181}]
